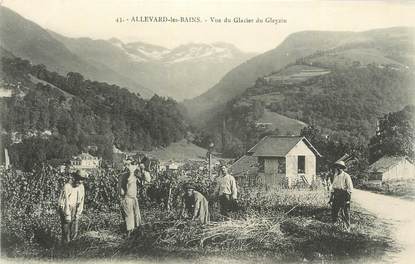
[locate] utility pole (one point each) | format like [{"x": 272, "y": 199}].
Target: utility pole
[
  {"x": 223, "y": 135},
  {"x": 210, "y": 149}
]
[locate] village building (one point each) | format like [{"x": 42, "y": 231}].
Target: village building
[
  {"x": 281, "y": 160},
  {"x": 118, "y": 157},
  {"x": 85, "y": 161},
  {"x": 5, "y": 92},
  {"x": 388, "y": 169},
  {"x": 4, "y": 159}
]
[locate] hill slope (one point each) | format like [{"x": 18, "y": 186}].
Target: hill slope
[
  {"x": 27, "y": 40},
  {"x": 383, "y": 46},
  {"x": 178, "y": 151},
  {"x": 50, "y": 117}
]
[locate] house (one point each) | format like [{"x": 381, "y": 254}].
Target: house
[
  {"x": 285, "y": 160},
  {"x": 245, "y": 170},
  {"x": 85, "y": 161},
  {"x": 391, "y": 169}
]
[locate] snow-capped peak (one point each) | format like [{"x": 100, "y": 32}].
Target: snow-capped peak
[
  {"x": 195, "y": 51},
  {"x": 143, "y": 52}
]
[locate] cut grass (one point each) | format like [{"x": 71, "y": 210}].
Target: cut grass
[{"x": 282, "y": 225}]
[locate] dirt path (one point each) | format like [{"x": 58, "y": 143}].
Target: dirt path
[{"x": 397, "y": 212}]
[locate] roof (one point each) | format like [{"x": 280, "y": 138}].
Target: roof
[
  {"x": 85, "y": 156},
  {"x": 244, "y": 166},
  {"x": 116, "y": 150},
  {"x": 278, "y": 146},
  {"x": 386, "y": 162}
]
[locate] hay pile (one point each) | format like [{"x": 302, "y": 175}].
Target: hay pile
[
  {"x": 249, "y": 233},
  {"x": 253, "y": 232}
]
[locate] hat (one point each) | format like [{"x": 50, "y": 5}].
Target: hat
[
  {"x": 341, "y": 164},
  {"x": 188, "y": 186},
  {"x": 80, "y": 175}
]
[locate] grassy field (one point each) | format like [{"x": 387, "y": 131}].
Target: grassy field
[
  {"x": 182, "y": 150},
  {"x": 282, "y": 123},
  {"x": 281, "y": 225},
  {"x": 296, "y": 74}
]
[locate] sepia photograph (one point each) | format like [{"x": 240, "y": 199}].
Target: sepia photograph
[{"x": 224, "y": 132}]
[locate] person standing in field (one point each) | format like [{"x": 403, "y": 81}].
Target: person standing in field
[
  {"x": 71, "y": 205},
  {"x": 127, "y": 189},
  {"x": 195, "y": 205},
  {"x": 341, "y": 191},
  {"x": 145, "y": 179},
  {"x": 226, "y": 191}
]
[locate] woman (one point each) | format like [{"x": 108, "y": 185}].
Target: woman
[
  {"x": 71, "y": 205},
  {"x": 127, "y": 187}
]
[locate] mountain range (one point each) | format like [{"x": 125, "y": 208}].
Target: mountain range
[
  {"x": 339, "y": 81},
  {"x": 182, "y": 72}
]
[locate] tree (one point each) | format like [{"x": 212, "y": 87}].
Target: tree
[{"x": 395, "y": 135}]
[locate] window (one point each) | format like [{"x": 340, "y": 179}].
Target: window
[{"x": 301, "y": 164}]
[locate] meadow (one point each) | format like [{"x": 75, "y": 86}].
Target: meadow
[{"x": 280, "y": 224}]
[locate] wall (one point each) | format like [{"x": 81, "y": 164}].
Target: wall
[
  {"x": 404, "y": 170},
  {"x": 301, "y": 149},
  {"x": 271, "y": 177}
]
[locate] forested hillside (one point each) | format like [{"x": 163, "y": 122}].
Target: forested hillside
[
  {"x": 51, "y": 116},
  {"x": 343, "y": 102},
  {"x": 335, "y": 49}
]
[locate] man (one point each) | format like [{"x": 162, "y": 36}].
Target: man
[
  {"x": 145, "y": 179},
  {"x": 127, "y": 188},
  {"x": 195, "y": 205},
  {"x": 71, "y": 205},
  {"x": 226, "y": 191},
  {"x": 342, "y": 188}
]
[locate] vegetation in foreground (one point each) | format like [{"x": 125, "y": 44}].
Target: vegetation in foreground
[{"x": 289, "y": 225}]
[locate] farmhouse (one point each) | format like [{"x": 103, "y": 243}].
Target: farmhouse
[
  {"x": 285, "y": 160},
  {"x": 85, "y": 161},
  {"x": 391, "y": 169}
]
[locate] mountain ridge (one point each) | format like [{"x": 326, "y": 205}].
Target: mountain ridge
[
  {"x": 141, "y": 67},
  {"x": 295, "y": 46},
  {"x": 182, "y": 72},
  {"x": 28, "y": 40}
]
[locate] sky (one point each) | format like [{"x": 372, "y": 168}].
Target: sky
[{"x": 97, "y": 19}]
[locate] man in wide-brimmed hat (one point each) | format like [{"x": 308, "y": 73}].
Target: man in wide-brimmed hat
[
  {"x": 71, "y": 205},
  {"x": 195, "y": 205},
  {"x": 342, "y": 188}
]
